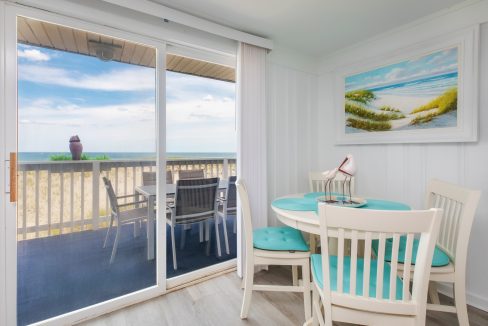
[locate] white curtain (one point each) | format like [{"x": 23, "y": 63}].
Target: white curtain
[{"x": 251, "y": 126}]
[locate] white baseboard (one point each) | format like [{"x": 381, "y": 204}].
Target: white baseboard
[{"x": 472, "y": 299}]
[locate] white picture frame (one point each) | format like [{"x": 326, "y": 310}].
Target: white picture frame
[{"x": 466, "y": 130}]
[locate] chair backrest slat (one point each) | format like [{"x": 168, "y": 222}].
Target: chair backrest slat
[
  {"x": 459, "y": 205},
  {"x": 317, "y": 183},
  {"x": 191, "y": 174},
  {"x": 340, "y": 261},
  {"x": 407, "y": 266},
  {"x": 354, "y": 261},
  {"x": 388, "y": 230},
  {"x": 379, "y": 268},
  {"x": 367, "y": 263},
  {"x": 394, "y": 265}
]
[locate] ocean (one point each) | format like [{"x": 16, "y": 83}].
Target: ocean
[
  {"x": 424, "y": 87},
  {"x": 46, "y": 156}
]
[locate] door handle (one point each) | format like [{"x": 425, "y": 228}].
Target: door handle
[{"x": 13, "y": 177}]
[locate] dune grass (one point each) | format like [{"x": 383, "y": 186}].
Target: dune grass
[
  {"x": 84, "y": 157},
  {"x": 368, "y": 125},
  {"x": 360, "y": 111},
  {"x": 423, "y": 118},
  {"x": 362, "y": 96},
  {"x": 389, "y": 109},
  {"x": 443, "y": 103}
]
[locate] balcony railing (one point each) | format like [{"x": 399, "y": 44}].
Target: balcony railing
[{"x": 58, "y": 197}]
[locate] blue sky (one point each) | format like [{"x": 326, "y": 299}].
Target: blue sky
[
  {"x": 111, "y": 106},
  {"x": 438, "y": 63}
]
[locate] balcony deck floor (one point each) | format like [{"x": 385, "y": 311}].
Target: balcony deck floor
[{"x": 63, "y": 273}]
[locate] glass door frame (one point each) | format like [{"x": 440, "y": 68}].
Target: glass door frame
[{"x": 9, "y": 144}]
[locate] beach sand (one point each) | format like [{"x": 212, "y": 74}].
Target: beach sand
[{"x": 404, "y": 103}]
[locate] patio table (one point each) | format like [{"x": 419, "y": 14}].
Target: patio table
[{"x": 149, "y": 192}]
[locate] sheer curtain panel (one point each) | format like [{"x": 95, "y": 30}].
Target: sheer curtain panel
[{"x": 251, "y": 126}]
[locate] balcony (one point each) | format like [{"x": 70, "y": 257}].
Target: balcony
[{"x": 62, "y": 221}]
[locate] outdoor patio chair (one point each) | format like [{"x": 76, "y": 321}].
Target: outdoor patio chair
[
  {"x": 121, "y": 215},
  {"x": 228, "y": 206},
  {"x": 195, "y": 202},
  {"x": 149, "y": 178},
  {"x": 191, "y": 174}
]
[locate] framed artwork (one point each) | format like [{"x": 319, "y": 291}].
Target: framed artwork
[{"x": 425, "y": 93}]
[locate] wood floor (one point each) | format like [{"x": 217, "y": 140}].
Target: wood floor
[{"x": 218, "y": 302}]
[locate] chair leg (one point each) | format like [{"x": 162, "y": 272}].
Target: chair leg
[
  {"x": 207, "y": 231},
  {"x": 183, "y": 237},
  {"x": 200, "y": 231},
  {"x": 235, "y": 225},
  {"x": 208, "y": 237},
  {"x": 460, "y": 300},
  {"x": 226, "y": 238},
  {"x": 433, "y": 293},
  {"x": 116, "y": 244},
  {"x": 137, "y": 229},
  {"x": 248, "y": 285},
  {"x": 306, "y": 289},
  {"x": 315, "y": 307},
  {"x": 108, "y": 231},
  {"x": 217, "y": 236},
  {"x": 173, "y": 247},
  {"x": 294, "y": 274}
]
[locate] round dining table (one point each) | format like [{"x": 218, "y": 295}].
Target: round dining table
[{"x": 299, "y": 211}]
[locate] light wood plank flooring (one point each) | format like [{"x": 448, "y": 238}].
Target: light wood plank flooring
[{"x": 218, "y": 302}]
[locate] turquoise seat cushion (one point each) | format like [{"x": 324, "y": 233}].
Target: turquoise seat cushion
[
  {"x": 318, "y": 276},
  {"x": 281, "y": 238},
  {"x": 440, "y": 257}
]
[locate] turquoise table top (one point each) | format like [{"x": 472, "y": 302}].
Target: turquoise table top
[{"x": 309, "y": 203}]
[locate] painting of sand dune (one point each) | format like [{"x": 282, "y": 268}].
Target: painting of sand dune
[{"x": 419, "y": 93}]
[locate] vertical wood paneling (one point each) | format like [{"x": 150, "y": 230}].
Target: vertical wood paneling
[{"x": 291, "y": 98}]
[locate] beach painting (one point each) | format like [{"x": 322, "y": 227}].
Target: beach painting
[{"x": 419, "y": 93}]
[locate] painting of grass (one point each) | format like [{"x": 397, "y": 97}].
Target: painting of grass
[{"x": 420, "y": 93}]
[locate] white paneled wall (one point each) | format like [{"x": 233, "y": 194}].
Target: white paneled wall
[
  {"x": 292, "y": 104},
  {"x": 401, "y": 171},
  {"x": 301, "y": 137}
]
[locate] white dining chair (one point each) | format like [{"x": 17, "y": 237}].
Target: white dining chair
[
  {"x": 367, "y": 291},
  {"x": 120, "y": 214},
  {"x": 449, "y": 260},
  {"x": 317, "y": 182},
  {"x": 272, "y": 246}
]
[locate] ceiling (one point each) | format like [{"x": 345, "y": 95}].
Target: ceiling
[
  {"x": 40, "y": 33},
  {"x": 315, "y": 27}
]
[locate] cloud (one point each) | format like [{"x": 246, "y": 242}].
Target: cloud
[
  {"x": 127, "y": 79},
  {"x": 47, "y": 124},
  {"x": 33, "y": 54}
]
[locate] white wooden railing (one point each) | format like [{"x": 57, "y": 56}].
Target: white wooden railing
[{"x": 58, "y": 197}]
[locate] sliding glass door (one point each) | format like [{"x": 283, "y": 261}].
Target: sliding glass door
[
  {"x": 201, "y": 150},
  {"x": 87, "y": 145}
]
